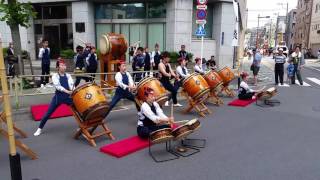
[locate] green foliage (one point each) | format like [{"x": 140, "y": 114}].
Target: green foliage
[
  {"x": 67, "y": 54},
  {"x": 190, "y": 55},
  {"x": 4, "y": 51},
  {"x": 174, "y": 57},
  {"x": 16, "y": 13}
]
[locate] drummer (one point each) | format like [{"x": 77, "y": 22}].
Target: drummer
[
  {"x": 125, "y": 87},
  {"x": 166, "y": 73},
  {"x": 198, "y": 67},
  {"x": 63, "y": 83},
  {"x": 245, "y": 92},
  {"x": 182, "y": 69},
  {"x": 151, "y": 116}
]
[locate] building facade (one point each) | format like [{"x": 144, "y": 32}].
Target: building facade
[
  {"x": 291, "y": 23},
  {"x": 314, "y": 42},
  {"x": 303, "y": 20},
  {"x": 170, "y": 23},
  {"x": 280, "y": 29}
]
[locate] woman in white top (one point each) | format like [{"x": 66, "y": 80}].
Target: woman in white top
[
  {"x": 198, "y": 67},
  {"x": 245, "y": 92},
  {"x": 182, "y": 70},
  {"x": 151, "y": 116}
]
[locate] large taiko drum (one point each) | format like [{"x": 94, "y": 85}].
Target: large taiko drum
[
  {"x": 227, "y": 75},
  {"x": 113, "y": 43},
  {"x": 213, "y": 79},
  {"x": 160, "y": 92},
  {"x": 90, "y": 101},
  {"x": 196, "y": 86}
]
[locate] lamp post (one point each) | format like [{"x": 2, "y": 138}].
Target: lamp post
[
  {"x": 287, "y": 23},
  {"x": 259, "y": 17}
]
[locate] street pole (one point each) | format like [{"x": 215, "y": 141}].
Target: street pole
[
  {"x": 257, "y": 32},
  {"x": 287, "y": 25},
  {"x": 201, "y": 56},
  {"x": 270, "y": 33},
  {"x": 14, "y": 157}
]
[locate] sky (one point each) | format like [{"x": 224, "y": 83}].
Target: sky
[{"x": 267, "y": 8}]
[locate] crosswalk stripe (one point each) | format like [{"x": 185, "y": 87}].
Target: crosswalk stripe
[
  {"x": 284, "y": 85},
  {"x": 304, "y": 83},
  {"x": 315, "y": 80}
]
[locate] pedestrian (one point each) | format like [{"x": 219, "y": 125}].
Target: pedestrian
[
  {"x": 63, "y": 83},
  {"x": 44, "y": 55},
  {"x": 166, "y": 73},
  {"x": 155, "y": 58},
  {"x": 80, "y": 65},
  {"x": 11, "y": 60},
  {"x": 147, "y": 61},
  {"x": 280, "y": 59},
  {"x": 92, "y": 63},
  {"x": 255, "y": 66},
  {"x": 297, "y": 59},
  {"x": 318, "y": 55},
  {"x": 138, "y": 63}
]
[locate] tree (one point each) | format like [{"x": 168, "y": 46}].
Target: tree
[{"x": 14, "y": 14}]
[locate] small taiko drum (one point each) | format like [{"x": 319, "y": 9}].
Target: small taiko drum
[
  {"x": 227, "y": 75},
  {"x": 196, "y": 86},
  {"x": 194, "y": 124},
  {"x": 160, "y": 92},
  {"x": 161, "y": 135},
  {"x": 181, "y": 132},
  {"x": 113, "y": 43},
  {"x": 213, "y": 79},
  {"x": 268, "y": 94},
  {"x": 90, "y": 101}
]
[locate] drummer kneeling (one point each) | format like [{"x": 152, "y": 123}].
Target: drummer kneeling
[
  {"x": 151, "y": 116},
  {"x": 245, "y": 92}
]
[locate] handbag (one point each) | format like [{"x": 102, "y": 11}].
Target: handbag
[{"x": 251, "y": 67}]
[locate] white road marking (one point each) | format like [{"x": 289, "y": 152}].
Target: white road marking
[
  {"x": 315, "y": 80},
  {"x": 284, "y": 85},
  {"x": 304, "y": 83}
]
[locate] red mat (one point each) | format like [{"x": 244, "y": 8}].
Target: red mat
[
  {"x": 38, "y": 111},
  {"x": 125, "y": 146},
  {"x": 241, "y": 103}
]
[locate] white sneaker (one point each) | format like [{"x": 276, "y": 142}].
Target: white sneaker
[
  {"x": 177, "y": 105},
  {"x": 42, "y": 85},
  {"x": 38, "y": 132},
  {"x": 49, "y": 86},
  {"x": 166, "y": 104}
]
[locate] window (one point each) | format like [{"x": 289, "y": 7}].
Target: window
[
  {"x": 120, "y": 11},
  {"x": 53, "y": 12},
  {"x": 80, "y": 27},
  {"x": 157, "y": 10},
  {"x": 208, "y": 26}
]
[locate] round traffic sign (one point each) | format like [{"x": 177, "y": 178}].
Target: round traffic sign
[
  {"x": 202, "y": 2},
  {"x": 201, "y": 14}
]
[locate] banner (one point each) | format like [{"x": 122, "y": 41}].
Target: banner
[{"x": 235, "y": 38}]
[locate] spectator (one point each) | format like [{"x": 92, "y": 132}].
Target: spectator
[
  {"x": 92, "y": 63},
  {"x": 183, "y": 53},
  {"x": 11, "y": 60},
  {"x": 80, "y": 65},
  {"x": 255, "y": 67},
  {"x": 138, "y": 64},
  {"x": 44, "y": 55},
  {"x": 147, "y": 60}
]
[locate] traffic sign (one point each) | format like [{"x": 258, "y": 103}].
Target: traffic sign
[
  {"x": 204, "y": 7},
  {"x": 201, "y": 14},
  {"x": 200, "y": 31},
  {"x": 201, "y": 21},
  {"x": 202, "y": 2}
]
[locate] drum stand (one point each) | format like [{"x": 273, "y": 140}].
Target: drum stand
[
  {"x": 198, "y": 105},
  {"x": 214, "y": 99},
  {"x": 268, "y": 102},
  {"x": 192, "y": 141},
  {"x": 228, "y": 91},
  {"x": 168, "y": 149},
  {"x": 86, "y": 128}
]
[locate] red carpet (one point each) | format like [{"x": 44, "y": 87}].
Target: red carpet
[
  {"x": 241, "y": 103},
  {"x": 125, "y": 146},
  {"x": 38, "y": 111}
]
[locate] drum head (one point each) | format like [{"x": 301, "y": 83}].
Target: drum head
[
  {"x": 81, "y": 87},
  {"x": 192, "y": 121},
  {"x": 104, "y": 44},
  {"x": 183, "y": 134},
  {"x": 97, "y": 111}
]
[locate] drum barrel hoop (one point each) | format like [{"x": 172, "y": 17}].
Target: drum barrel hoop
[
  {"x": 200, "y": 93},
  {"x": 144, "y": 81},
  {"x": 86, "y": 112},
  {"x": 81, "y": 87}
]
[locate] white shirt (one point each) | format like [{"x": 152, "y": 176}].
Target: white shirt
[
  {"x": 41, "y": 51},
  {"x": 119, "y": 82},
  {"x": 152, "y": 56},
  {"x": 245, "y": 86},
  {"x": 56, "y": 82},
  {"x": 198, "y": 68},
  {"x": 147, "y": 112},
  {"x": 180, "y": 72}
]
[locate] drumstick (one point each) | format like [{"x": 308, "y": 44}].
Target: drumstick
[
  {"x": 172, "y": 114},
  {"x": 81, "y": 41}
]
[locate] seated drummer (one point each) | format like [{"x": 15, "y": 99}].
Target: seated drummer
[
  {"x": 245, "y": 92},
  {"x": 63, "y": 83},
  {"x": 151, "y": 116},
  {"x": 182, "y": 70},
  {"x": 198, "y": 67},
  {"x": 125, "y": 87}
]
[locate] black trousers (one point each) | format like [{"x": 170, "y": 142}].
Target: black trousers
[
  {"x": 246, "y": 96},
  {"x": 45, "y": 70},
  {"x": 278, "y": 72},
  {"x": 173, "y": 89},
  {"x": 144, "y": 131},
  {"x": 297, "y": 72}
]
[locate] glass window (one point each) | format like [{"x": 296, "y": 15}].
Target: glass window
[
  {"x": 208, "y": 26},
  {"x": 157, "y": 10},
  {"x": 120, "y": 11},
  {"x": 156, "y": 34},
  {"x": 101, "y": 29},
  {"x": 55, "y": 12}
]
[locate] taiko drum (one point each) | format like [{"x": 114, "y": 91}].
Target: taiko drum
[
  {"x": 196, "y": 86},
  {"x": 113, "y": 43},
  {"x": 90, "y": 101},
  {"x": 227, "y": 75},
  {"x": 213, "y": 79}
]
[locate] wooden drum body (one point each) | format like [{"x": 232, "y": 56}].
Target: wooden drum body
[
  {"x": 181, "y": 132},
  {"x": 196, "y": 86},
  {"x": 213, "y": 79},
  {"x": 194, "y": 124},
  {"x": 227, "y": 75},
  {"x": 268, "y": 94},
  {"x": 160, "y": 92},
  {"x": 112, "y": 43},
  {"x": 161, "y": 135},
  {"x": 90, "y": 101}
]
